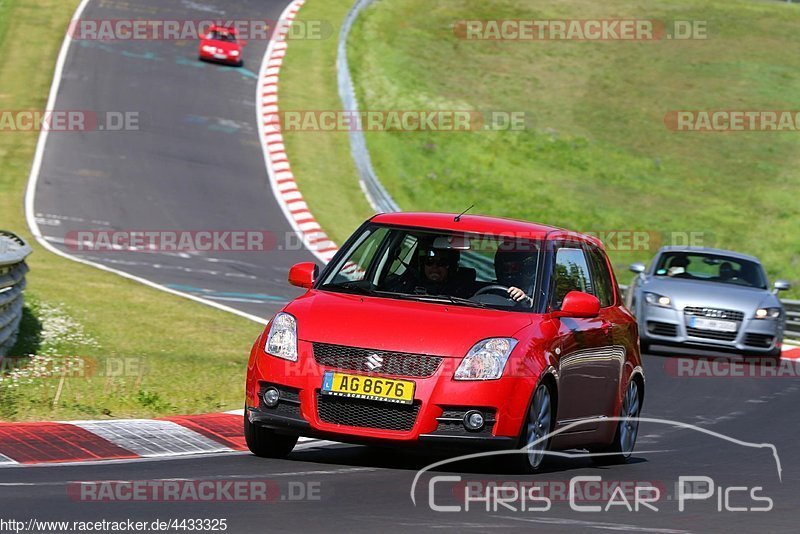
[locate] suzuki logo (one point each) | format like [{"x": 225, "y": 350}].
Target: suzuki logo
[{"x": 374, "y": 362}]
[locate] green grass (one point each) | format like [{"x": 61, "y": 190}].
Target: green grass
[
  {"x": 146, "y": 353},
  {"x": 596, "y": 155},
  {"x": 321, "y": 161}
]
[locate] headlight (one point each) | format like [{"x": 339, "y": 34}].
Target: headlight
[
  {"x": 234, "y": 53},
  {"x": 655, "y": 299},
  {"x": 211, "y": 49},
  {"x": 486, "y": 360},
  {"x": 282, "y": 337},
  {"x": 768, "y": 313}
]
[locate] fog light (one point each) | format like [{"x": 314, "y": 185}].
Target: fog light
[
  {"x": 473, "y": 420},
  {"x": 271, "y": 396}
]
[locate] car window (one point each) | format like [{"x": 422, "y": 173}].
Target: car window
[
  {"x": 571, "y": 274},
  {"x": 354, "y": 268},
  {"x": 711, "y": 268},
  {"x": 604, "y": 287}
]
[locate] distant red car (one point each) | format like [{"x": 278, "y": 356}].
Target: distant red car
[
  {"x": 435, "y": 328},
  {"x": 221, "y": 45}
]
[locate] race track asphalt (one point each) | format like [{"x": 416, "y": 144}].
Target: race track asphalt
[
  {"x": 194, "y": 164},
  {"x": 367, "y": 489}
]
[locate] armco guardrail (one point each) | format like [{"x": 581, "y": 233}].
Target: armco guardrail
[
  {"x": 792, "y": 308},
  {"x": 13, "y": 251},
  {"x": 380, "y": 199},
  {"x": 377, "y": 195}
]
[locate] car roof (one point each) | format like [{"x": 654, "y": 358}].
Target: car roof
[
  {"x": 481, "y": 224},
  {"x": 708, "y": 250}
]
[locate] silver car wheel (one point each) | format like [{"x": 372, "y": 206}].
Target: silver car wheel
[
  {"x": 629, "y": 426},
  {"x": 539, "y": 422}
]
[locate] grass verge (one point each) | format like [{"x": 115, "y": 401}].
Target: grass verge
[
  {"x": 321, "y": 161},
  {"x": 103, "y": 346},
  {"x": 596, "y": 155}
]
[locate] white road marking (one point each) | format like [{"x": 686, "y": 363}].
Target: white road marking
[{"x": 6, "y": 460}]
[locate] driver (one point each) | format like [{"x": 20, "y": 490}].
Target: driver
[
  {"x": 516, "y": 269},
  {"x": 438, "y": 268}
]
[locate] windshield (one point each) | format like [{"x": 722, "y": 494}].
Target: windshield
[
  {"x": 221, "y": 36},
  {"x": 436, "y": 266},
  {"x": 711, "y": 268}
]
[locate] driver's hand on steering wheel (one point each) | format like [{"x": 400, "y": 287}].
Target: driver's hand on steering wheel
[{"x": 516, "y": 293}]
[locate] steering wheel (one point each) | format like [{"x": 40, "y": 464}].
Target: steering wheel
[{"x": 494, "y": 288}]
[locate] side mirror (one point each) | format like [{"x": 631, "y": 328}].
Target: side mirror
[
  {"x": 303, "y": 274},
  {"x": 637, "y": 268},
  {"x": 579, "y": 304},
  {"x": 202, "y": 36},
  {"x": 781, "y": 285}
]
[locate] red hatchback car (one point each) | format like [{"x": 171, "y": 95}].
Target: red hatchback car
[
  {"x": 222, "y": 45},
  {"x": 462, "y": 330}
]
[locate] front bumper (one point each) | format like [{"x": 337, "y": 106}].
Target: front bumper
[
  {"x": 439, "y": 401},
  {"x": 226, "y": 58},
  {"x": 292, "y": 426},
  {"x": 670, "y": 326}
]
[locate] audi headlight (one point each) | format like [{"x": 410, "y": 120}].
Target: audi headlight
[
  {"x": 654, "y": 299},
  {"x": 282, "y": 337},
  {"x": 768, "y": 313},
  {"x": 486, "y": 360}
]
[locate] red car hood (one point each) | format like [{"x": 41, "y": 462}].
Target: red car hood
[
  {"x": 225, "y": 46},
  {"x": 399, "y": 325}
]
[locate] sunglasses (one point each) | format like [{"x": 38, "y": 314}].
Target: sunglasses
[{"x": 430, "y": 262}]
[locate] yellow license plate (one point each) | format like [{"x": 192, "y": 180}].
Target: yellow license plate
[{"x": 368, "y": 387}]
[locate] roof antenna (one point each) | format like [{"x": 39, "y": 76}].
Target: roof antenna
[{"x": 457, "y": 218}]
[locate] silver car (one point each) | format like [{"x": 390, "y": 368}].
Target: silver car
[{"x": 707, "y": 297}]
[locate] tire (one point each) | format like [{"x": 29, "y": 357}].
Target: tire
[
  {"x": 621, "y": 448},
  {"x": 265, "y": 442},
  {"x": 538, "y": 423}
]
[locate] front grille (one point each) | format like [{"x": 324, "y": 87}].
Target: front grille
[
  {"x": 710, "y": 334},
  {"x": 758, "y": 340},
  {"x": 391, "y": 363},
  {"x": 288, "y": 405},
  {"x": 662, "y": 329},
  {"x": 714, "y": 313},
  {"x": 451, "y": 423},
  {"x": 369, "y": 414}
]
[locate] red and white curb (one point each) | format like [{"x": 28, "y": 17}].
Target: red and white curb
[
  {"x": 790, "y": 352},
  {"x": 281, "y": 178},
  {"x": 85, "y": 441}
]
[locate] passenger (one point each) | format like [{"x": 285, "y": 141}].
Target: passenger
[
  {"x": 726, "y": 271},
  {"x": 438, "y": 268}
]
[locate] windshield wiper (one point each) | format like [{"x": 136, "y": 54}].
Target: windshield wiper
[{"x": 450, "y": 298}]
